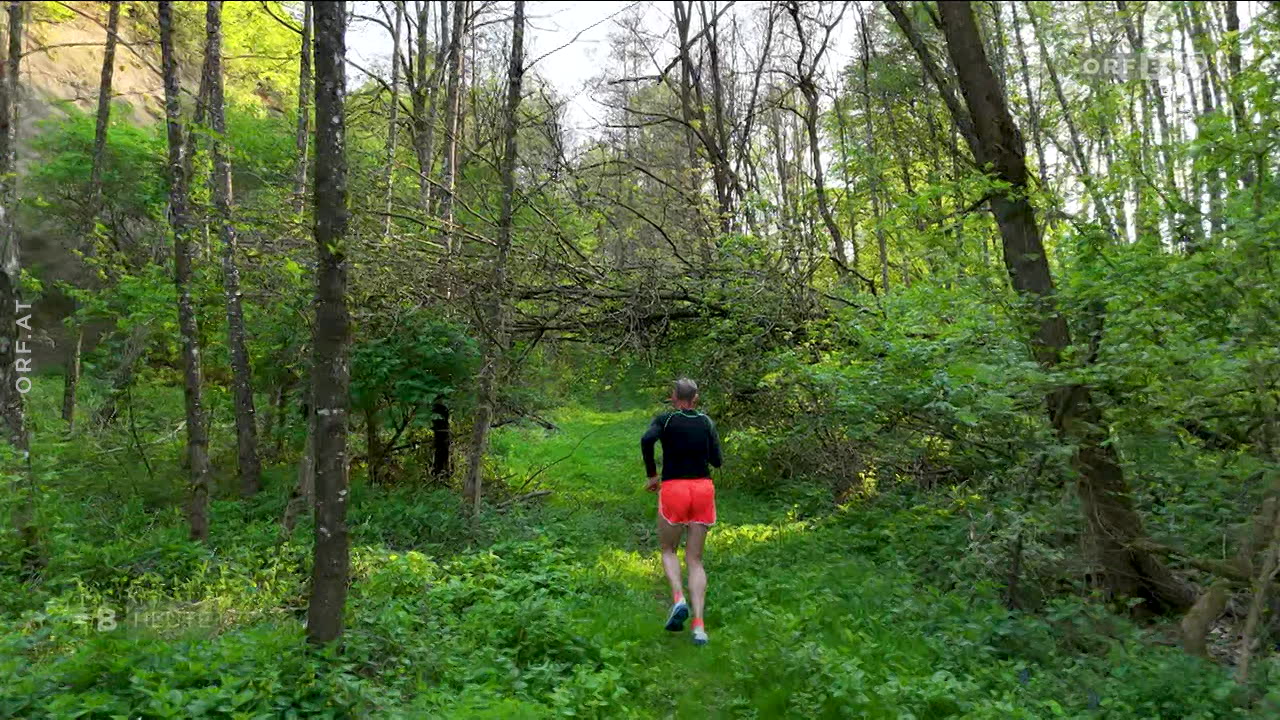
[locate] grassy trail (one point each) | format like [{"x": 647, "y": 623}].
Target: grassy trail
[
  {"x": 553, "y": 609},
  {"x": 821, "y": 618},
  {"x": 799, "y": 623}
]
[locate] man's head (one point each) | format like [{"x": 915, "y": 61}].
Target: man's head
[{"x": 684, "y": 394}]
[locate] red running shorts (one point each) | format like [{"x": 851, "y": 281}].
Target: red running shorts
[{"x": 682, "y": 501}]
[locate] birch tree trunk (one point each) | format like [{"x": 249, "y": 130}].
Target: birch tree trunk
[
  {"x": 180, "y": 222},
  {"x": 496, "y": 311},
  {"x": 330, "y": 371},
  {"x": 220, "y": 186}
]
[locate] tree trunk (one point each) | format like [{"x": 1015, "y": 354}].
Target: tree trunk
[
  {"x": 1153, "y": 95},
  {"x": 180, "y": 222},
  {"x": 393, "y": 121},
  {"x": 303, "y": 496},
  {"x": 496, "y": 312},
  {"x": 1114, "y": 526},
  {"x": 71, "y": 379},
  {"x": 1244, "y": 123},
  {"x": 330, "y": 374},
  {"x": 372, "y": 451},
  {"x": 452, "y": 127},
  {"x": 15, "y": 316},
  {"x": 1033, "y": 107},
  {"x": 842, "y": 122},
  {"x": 71, "y": 372},
  {"x": 220, "y": 186},
  {"x": 135, "y": 347},
  {"x": 806, "y": 68},
  {"x": 1203, "y": 45},
  {"x": 873, "y": 171},
  {"x": 302, "y": 140},
  {"x": 441, "y": 440}
]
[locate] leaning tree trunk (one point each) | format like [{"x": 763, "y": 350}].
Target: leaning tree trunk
[
  {"x": 220, "y": 182},
  {"x": 180, "y": 222},
  {"x": 496, "y": 312},
  {"x": 71, "y": 373},
  {"x": 330, "y": 375},
  {"x": 1114, "y": 526}
]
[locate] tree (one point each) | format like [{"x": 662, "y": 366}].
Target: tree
[
  {"x": 495, "y": 315},
  {"x": 1114, "y": 525},
  {"x": 330, "y": 375},
  {"x": 220, "y": 182},
  {"x": 302, "y": 137},
  {"x": 15, "y": 328},
  {"x": 180, "y": 224},
  {"x": 102, "y": 121},
  {"x": 393, "y": 122}
]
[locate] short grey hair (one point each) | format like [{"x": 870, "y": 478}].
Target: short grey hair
[{"x": 685, "y": 389}]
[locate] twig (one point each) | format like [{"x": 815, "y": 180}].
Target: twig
[
  {"x": 521, "y": 498},
  {"x": 553, "y": 463}
]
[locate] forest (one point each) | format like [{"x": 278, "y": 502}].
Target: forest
[{"x": 329, "y": 332}]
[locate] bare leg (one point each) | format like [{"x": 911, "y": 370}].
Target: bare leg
[
  {"x": 669, "y": 537},
  {"x": 697, "y": 576}
]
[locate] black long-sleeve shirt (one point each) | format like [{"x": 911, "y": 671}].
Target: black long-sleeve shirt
[{"x": 689, "y": 445}]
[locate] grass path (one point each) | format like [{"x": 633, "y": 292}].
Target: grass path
[
  {"x": 799, "y": 624},
  {"x": 554, "y": 610}
]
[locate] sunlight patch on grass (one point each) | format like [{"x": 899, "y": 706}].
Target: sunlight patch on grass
[
  {"x": 735, "y": 538},
  {"x": 630, "y": 567}
]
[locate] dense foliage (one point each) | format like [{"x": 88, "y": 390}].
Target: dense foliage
[{"x": 791, "y": 213}]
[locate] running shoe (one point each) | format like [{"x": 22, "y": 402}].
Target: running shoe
[{"x": 679, "y": 613}]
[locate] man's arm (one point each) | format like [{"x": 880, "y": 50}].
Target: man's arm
[
  {"x": 714, "y": 457},
  {"x": 646, "y": 447}
]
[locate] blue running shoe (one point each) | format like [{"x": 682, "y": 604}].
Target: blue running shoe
[{"x": 679, "y": 613}]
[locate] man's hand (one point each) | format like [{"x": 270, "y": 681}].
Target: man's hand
[{"x": 652, "y": 486}]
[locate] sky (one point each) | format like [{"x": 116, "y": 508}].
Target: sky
[{"x": 573, "y": 36}]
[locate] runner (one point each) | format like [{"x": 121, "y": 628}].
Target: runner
[{"x": 686, "y": 497}]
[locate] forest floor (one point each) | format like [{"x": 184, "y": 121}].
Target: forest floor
[{"x": 554, "y": 608}]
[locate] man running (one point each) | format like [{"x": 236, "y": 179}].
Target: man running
[{"x": 686, "y": 497}]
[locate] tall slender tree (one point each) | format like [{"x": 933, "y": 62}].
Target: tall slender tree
[
  {"x": 220, "y": 185},
  {"x": 496, "y": 314},
  {"x": 15, "y": 316},
  {"x": 330, "y": 368},
  {"x": 102, "y": 120},
  {"x": 180, "y": 224},
  {"x": 302, "y": 138},
  {"x": 393, "y": 121}
]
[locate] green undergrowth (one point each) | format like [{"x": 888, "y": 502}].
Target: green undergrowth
[{"x": 552, "y": 607}]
